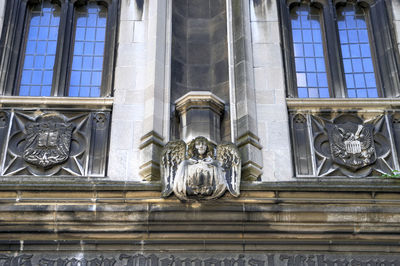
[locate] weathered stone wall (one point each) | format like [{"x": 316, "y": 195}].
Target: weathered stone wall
[
  {"x": 270, "y": 89},
  {"x": 129, "y": 91},
  {"x": 128, "y": 217}
]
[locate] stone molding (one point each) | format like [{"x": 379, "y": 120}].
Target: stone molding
[
  {"x": 56, "y": 101},
  {"x": 266, "y": 214},
  {"x": 200, "y": 99},
  {"x": 332, "y": 104}
]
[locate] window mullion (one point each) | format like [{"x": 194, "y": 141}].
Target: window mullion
[
  {"x": 108, "y": 65},
  {"x": 12, "y": 56},
  {"x": 386, "y": 55},
  {"x": 288, "y": 51},
  {"x": 335, "y": 69},
  {"x": 63, "y": 49}
]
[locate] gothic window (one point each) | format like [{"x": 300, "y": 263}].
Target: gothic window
[
  {"x": 88, "y": 51},
  {"x": 40, "y": 50},
  {"x": 308, "y": 52},
  {"x": 60, "y": 48},
  {"x": 356, "y": 52},
  {"x": 339, "y": 49}
]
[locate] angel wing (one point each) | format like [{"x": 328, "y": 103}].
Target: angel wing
[
  {"x": 171, "y": 156},
  {"x": 228, "y": 156}
]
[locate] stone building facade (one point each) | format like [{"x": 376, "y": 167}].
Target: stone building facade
[{"x": 81, "y": 148}]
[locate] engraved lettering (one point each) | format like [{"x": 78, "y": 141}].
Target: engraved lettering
[
  {"x": 299, "y": 260},
  {"x": 253, "y": 262},
  {"x": 290, "y": 259},
  {"x": 311, "y": 261}
]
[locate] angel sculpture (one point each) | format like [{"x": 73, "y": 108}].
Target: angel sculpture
[{"x": 195, "y": 174}]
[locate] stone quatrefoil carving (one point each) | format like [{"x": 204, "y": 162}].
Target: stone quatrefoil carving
[
  {"x": 196, "y": 173},
  {"x": 48, "y": 141}
]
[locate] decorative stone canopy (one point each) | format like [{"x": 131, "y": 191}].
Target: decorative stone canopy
[{"x": 200, "y": 114}]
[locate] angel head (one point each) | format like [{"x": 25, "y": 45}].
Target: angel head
[{"x": 200, "y": 147}]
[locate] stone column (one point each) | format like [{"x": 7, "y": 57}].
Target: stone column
[{"x": 200, "y": 114}]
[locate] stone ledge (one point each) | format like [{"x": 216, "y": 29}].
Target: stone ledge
[
  {"x": 336, "y": 104},
  {"x": 91, "y": 102},
  {"x": 62, "y": 183}
]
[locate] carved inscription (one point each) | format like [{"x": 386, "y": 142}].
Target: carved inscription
[{"x": 272, "y": 259}]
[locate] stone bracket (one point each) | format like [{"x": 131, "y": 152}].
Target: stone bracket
[
  {"x": 150, "y": 149},
  {"x": 251, "y": 153}
]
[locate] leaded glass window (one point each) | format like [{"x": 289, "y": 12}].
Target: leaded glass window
[
  {"x": 309, "y": 52},
  {"x": 356, "y": 52},
  {"x": 88, "y": 50},
  {"x": 40, "y": 50},
  {"x": 59, "y": 48}
]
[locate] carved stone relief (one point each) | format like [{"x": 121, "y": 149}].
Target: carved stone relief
[
  {"x": 203, "y": 171},
  {"x": 47, "y": 143},
  {"x": 348, "y": 145}
]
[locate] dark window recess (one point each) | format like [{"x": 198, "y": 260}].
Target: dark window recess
[
  {"x": 57, "y": 48},
  {"x": 343, "y": 50}
]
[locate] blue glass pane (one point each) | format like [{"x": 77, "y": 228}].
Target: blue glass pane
[
  {"x": 95, "y": 92},
  {"x": 298, "y": 50},
  {"x": 370, "y": 80},
  {"x": 367, "y": 63},
  {"x": 96, "y": 78},
  {"x": 84, "y": 92},
  {"x": 307, "y": 36},
  {"x": 356, "y": 52},
  {"x": 98, "y": 63},
  {"x": 324, "y": 93},
  {"x": 349, "y": 81},
  {"x": 372, "y": 93},
  {"x": 35, "y": 91},
  {"x": 351, "y": 93},
  {"x": 322, "y": 81},
  {"x": 300, "y": 66},
  {"x": 320, "y": 64},
  {"x": 313, "y": 93},
  {"x": 359, "y": 80},
  {"x": 74, "y": 91},
  {"x": 357, "y": 65},
  {"x": 24, "y": 90},
  {"x": 362, "y": 93},
  {"x": 312, "y": 79},
  {"x": 88, "y": 53},
  {"x": 87, "y": 63},
  {"x": 301, "y": 79},
  {"x": 309, "y": 52},
  {"x": 297, "y": 37},
  {"x": 33, "y": 33},
  {"x": 102, "y": 20},
  {"x": 310, "y": 65},
  {"x": 303, "y": 92},
  {"x": 29, "y": 61}
]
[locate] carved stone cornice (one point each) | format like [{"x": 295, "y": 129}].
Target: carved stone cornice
[
  {"x": 200, "y": 99},
  {"x": 14, "y": 101},
  {"x": 338, "y": 104}
]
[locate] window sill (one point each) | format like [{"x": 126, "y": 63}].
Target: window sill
[
  {"x": 30, "y": 101},
  {"x": 329, "y": 104}
]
